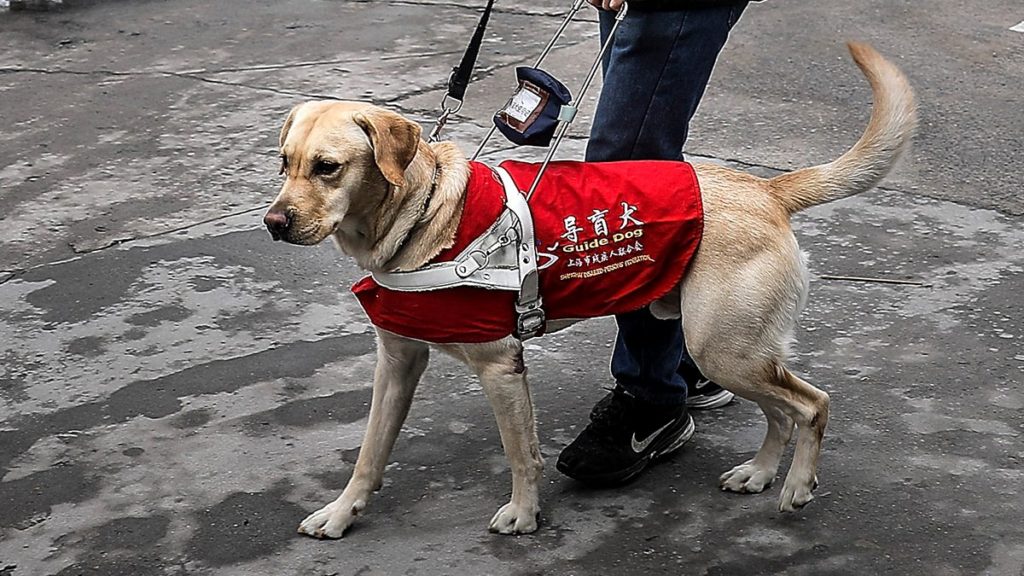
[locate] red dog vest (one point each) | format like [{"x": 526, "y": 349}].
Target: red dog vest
[{"x": 611, "y": 237}]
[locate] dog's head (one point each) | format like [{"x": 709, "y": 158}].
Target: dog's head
[{"x": 340, "y": 160}]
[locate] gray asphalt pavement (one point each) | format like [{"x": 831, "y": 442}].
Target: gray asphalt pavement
[{"x": 177, "y": 391}]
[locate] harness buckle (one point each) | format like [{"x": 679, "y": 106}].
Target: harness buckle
[
  {"x": 530, "y": 323},
  {"x": 474, "y": 261}
]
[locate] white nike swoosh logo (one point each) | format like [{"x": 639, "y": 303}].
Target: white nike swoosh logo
[
  {"x": 701, "y": 383},
  {"x": 639, "y": 447}
]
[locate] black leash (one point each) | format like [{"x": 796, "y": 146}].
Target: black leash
[
  {"x": 459, "y": 79},
  {"x": 460, "y": 74}
]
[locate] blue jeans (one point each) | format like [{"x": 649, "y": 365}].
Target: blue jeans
[{"x": 654, "y": 76}]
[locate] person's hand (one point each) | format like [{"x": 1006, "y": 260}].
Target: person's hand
[{"x": 612, "y": 5}]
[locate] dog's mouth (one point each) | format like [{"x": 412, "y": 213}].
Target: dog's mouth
[{"x": 307, "y": 236}]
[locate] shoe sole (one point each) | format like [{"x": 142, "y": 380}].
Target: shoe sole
[
  {"x": 716, "y": 400},
  {"x": 619, "y": 477}
]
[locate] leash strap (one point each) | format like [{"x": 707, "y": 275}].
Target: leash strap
[{"x": 458, "y": 81}]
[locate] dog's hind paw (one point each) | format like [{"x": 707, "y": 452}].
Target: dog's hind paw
[
  {"x": 514, "y": 519},
  {"x": 747, "y": 478},
  {"x": 331, "y": 521},
  {"x": 796, "y": 494}
]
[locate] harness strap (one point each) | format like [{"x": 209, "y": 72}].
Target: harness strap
[
  {"x": 531, "y": 318},
  {"x": 488, "y": 262}
]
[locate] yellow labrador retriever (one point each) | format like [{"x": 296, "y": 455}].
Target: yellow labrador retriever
[{"x": 362, "y": 175}]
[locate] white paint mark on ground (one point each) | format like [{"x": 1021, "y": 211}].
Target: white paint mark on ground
[{"x": 1018, "y": 27}]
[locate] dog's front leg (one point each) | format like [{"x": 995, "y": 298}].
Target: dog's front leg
[
  {"x": 503, "y": 376},
  {"x": 400, "y": 364}
]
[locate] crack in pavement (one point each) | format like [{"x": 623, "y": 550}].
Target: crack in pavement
[
  {"x": 197, "y": 74},
  {"x": 15, "y": 272},
  {"x": 119, "y": 241},
  {"x": 254, "y": 87},
  {"x": 252, "y": 68},
  {"x": 164, "y": 74},
  {"x": 496, "y": 10}
]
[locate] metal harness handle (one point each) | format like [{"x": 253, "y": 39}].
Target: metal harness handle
[{"x": 569, "y": 111}]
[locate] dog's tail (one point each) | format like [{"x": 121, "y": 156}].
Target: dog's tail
[{"x": 893, "y": 119}]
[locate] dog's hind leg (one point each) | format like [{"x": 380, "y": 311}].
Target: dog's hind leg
[
  {"x": 400, "y": 364},
  {"x": 738, "y": 321},
  {"x": 785, "y": 400},
  {"x": 809, "y": 406},
  {"x": 503, "y": 376}
]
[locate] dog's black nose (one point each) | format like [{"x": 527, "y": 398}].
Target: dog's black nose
[{"x": 277, "y": 222}]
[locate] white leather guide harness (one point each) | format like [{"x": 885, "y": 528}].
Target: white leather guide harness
[{"x": 502, "y": 258}]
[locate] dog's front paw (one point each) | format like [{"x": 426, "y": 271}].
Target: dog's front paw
[
  {"x": 332, "y": 520},
  {"x": 515, "y": 519},
  {"x": 796, "y": 494},
  {"x": 747, "y": 477}
]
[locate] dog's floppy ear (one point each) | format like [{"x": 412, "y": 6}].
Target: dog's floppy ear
[
  {"x": 288, "y": 125},
  {"x": 394, "y": 140}
]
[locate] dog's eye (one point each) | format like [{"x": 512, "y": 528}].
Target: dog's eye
[
  {"x": 325, "y": 167},
  {"x": 284, "y": 164}
]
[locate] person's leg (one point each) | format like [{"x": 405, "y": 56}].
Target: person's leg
[{"x": 654, "y": 77}]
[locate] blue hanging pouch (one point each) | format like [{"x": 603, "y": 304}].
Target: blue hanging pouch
[{"x": 531, "y": 115}]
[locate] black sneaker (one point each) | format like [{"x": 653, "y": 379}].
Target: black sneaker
[
  {"x": 705, "y": 394},
  {"x": 624, "y": 435}
]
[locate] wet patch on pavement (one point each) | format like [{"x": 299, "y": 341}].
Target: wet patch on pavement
[
  {"x": 128, "y": 533},
  {"x": 340, "y": 407},
  {"x": 244, "y": 526},
  {"x": 161, "y": 397},
  {"x": 29, "y": 500}
]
